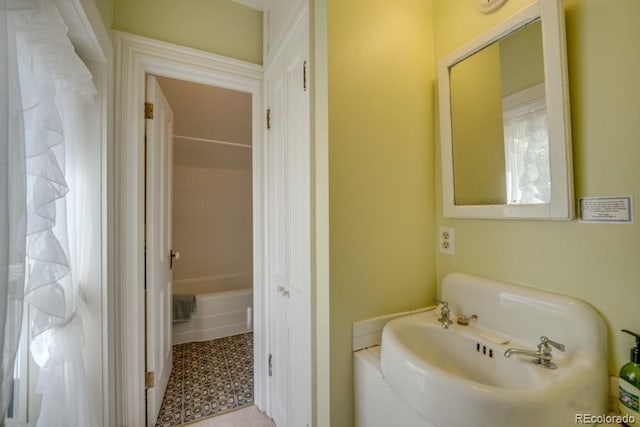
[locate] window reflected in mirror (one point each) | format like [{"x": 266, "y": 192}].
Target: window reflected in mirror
[{"x": 499, "y": 123}]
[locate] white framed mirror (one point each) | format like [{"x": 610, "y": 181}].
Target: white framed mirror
[{"x": 504, "y": 120}]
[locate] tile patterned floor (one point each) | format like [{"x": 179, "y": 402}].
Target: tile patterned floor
[{"x": 208, "y": 378}]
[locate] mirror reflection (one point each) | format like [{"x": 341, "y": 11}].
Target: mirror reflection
[{"x": 499, "y": 123}]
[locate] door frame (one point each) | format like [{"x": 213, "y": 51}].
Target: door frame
[{"x": 135, "y": 57}]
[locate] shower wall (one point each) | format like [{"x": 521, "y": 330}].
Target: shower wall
[{"x": 212, "y": 210}]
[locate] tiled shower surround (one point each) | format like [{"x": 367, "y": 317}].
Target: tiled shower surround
[{"x": 208, "y": 378}]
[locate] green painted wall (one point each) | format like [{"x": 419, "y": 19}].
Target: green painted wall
[
  {"x": 381, "y": 160},
  {"x": 598, "y": 264},
  {"x": 105, "y": 7},
  {"x": 478, "y": 137},
  {"x": 521, "y": 56},
  {"x": 217, "y": 26}
]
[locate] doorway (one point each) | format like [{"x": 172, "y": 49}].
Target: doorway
[
  {"x": 138, "y": 57},
  {"x": 209, "y": 237}
]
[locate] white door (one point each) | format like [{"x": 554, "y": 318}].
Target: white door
[
  {"x": 289, "y": 231},
  {"x": 298, "y": 291},
  {"x": 278, "y": 254},
  {"x": 159, "y": 137}
]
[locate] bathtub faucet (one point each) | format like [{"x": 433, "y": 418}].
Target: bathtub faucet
[
  {"x": 542, "y": 357},
  {"x": 445, "y": 313}
]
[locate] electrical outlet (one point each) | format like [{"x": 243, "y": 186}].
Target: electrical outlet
[{"x": 446, "y": 241}]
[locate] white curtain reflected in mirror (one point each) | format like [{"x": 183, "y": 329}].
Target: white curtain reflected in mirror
[{"x": 526, "y": 143}]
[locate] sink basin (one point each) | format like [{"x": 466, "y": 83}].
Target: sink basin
[{"x": 460, "y": 376}]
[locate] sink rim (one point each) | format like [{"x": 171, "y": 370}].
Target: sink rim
[
  {"x": 392, "y": 343},
  {"x": 522, "y": 314}
]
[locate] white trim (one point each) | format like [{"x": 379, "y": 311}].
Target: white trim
[
  {"x": 550, "y": 13},
  {"x": 273, "y": 48},
  {"x": 86, "y": 29},
  {"x": 135, "y": 57}
]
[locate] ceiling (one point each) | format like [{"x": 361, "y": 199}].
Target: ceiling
[
  {"x": 212, "y": 114},
  {"x": 208, "y": 112}
]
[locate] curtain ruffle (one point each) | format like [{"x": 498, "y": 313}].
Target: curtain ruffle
[
  {"x": 527, "y": 154},
  {"x": 42, "y": 41},
  {"x": 50, "y": 69}
]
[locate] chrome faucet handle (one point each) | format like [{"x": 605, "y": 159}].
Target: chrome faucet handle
[
  {"x": 546, "y": 342},
  {"x": 464, "y": 320},
  {"x": 445, "y": 313},
  {"x": 444, "y": 310}
]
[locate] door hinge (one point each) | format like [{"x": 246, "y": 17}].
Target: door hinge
[
  {"x": 268, "y": 118},
  {"x": 148, "y": 110},
  {"x": 149, "y": 381},
  {"x": 271, "y": 365},
  {"x": 304, "y": 76}
]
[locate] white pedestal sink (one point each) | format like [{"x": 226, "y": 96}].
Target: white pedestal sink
[{"x": 460, "y": 377}]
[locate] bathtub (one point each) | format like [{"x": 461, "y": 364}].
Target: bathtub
[{"x": 224, "y": 307}]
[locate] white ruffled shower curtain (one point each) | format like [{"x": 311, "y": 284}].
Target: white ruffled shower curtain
[{"x": 48, "y": 71}]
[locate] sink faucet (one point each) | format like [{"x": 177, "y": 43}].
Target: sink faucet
[
  {"x": 445, "y": 313},
  {"x": 464, "y": 320},
  {"x": 542, "y": 357}
]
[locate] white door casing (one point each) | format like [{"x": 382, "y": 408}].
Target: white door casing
[
  {"x": 289, "y": 227},
  {"x": 159, "y": 178},
  {"x": 137, "y": 56}
]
